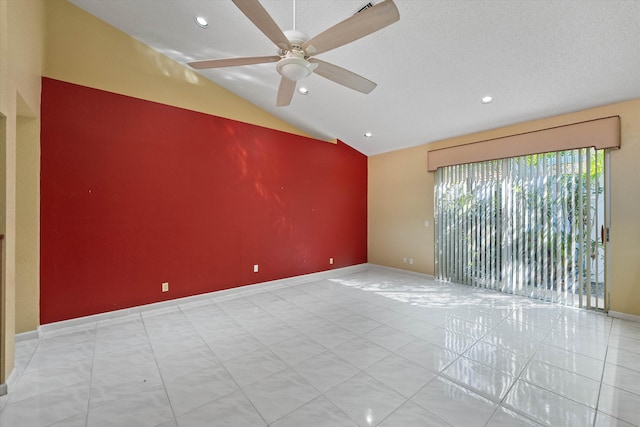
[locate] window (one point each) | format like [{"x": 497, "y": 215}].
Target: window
[{"x": 528, "y": 225}]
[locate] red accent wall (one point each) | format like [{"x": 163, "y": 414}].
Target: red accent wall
[{"x": 136, "y": 193}]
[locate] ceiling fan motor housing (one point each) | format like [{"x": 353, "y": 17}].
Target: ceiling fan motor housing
[{"x": 296, "y": 38}]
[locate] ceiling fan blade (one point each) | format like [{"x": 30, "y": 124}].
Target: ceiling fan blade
[
  {"x": 343, "y": 77},
  {"x": 232, "y": 62},
  {"x": 285, "y": 92},
  {"x": 265, "y": 23},
  {"x": 357, "y": 26}
]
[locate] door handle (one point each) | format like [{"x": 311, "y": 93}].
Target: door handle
[{"x": 604, "y": 234}]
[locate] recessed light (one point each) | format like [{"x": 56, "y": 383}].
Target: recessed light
[
  {"x": 303, "y": 90},
  {"x": 486, "y": 99},
  {"x": 201, "y": 21},
  {"x": 368, "y": 134}
]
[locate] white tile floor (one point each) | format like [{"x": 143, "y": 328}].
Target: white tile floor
[{"x": 377, "y": 347}]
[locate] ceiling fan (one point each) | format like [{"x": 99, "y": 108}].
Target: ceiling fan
[{"x": 296, "y": 56}]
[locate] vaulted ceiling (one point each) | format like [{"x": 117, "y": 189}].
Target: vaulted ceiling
[{"x": 536, "y": 58}]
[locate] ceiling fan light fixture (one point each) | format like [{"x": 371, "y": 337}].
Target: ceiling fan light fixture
[
  {"x": 201, "y": 21},
  {"x": 294, "y": 67}
]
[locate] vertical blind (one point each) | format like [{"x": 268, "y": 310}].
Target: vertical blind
[{"x": 527, "y": 225}]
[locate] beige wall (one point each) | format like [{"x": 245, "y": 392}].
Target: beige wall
[
  {"x": 84, "y": 50},
  {"x": 401, "y": 199},
  {"x": 27, "y": 224},
  {"x": 399, "y": 205},
  {"x": 22, "y": 33}
]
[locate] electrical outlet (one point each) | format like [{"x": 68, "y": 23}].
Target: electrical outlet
[
  {"x": 255, "y": 268},
  {"x": 165, "y": 286},
  {"x": 404, "y": 260},
  {"x": 330, "y": 260},
  {"x": 426, "y": 222},
  {"x": 410, "y": 260}
]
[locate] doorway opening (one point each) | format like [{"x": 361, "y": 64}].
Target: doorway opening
[{"x": 534, "y": 225}]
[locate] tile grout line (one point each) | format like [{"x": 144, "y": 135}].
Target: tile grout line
[
  {"x": 93, "y": 355},
  {"x": 239, "y": 388},
  {"x": 526, "y": 365},
  {"x": 368, "y": 304},
  {"x": 155, "y": 360}
]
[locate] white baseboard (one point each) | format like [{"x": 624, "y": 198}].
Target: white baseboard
[
  {"x": 24, "y": 336},
  {"x": 216, "y": 295},
  {"x": 624, "y": 316},
  {"x": 11, "y": 381},
  {"x": 400, "y": 270},
  {"x": 233, "y": 293}
]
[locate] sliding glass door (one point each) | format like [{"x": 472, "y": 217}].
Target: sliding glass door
[{"x": 533, "y": 225}]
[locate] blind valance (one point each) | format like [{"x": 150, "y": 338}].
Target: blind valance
[{"x": 600, "y": 133}]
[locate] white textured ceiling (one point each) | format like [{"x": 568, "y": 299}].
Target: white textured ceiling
[{"x": 537, "y": 58}]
